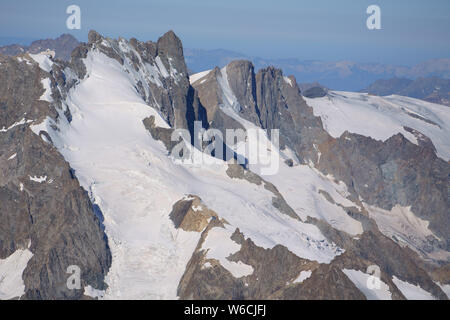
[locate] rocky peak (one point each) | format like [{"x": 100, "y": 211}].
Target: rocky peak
[
  {"x": 170, "y": 47},
  {"x": 242, "y": 81},
  {"x": 94, "y": 36},
  {"x": 158, "y": 72}
]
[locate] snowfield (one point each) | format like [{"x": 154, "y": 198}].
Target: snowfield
[
  {"x": 383, "y": 117},
  {"x": 11, "y": 269},
  {"x": 134, "y": 182}
]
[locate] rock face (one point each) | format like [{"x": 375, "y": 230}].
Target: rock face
[
  {"x": 211, "y": 97},
  {"x": 63, "y": 47},
  {"x": 267, "y": 99},
  {"x": 42, "y": 204},
  {"x": 392, "y": 172}
]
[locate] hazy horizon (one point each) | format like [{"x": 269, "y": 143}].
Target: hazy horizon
[{"x": 411, "y": 31}]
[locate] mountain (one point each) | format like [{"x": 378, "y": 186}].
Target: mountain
[
  {"x": 105, "y": 166},
  {"x": 338, "y": 75},
  {"x": 385, "y": 87},
  {"x": 63, "y": 47},
  {"x": 430, "y": 89}
]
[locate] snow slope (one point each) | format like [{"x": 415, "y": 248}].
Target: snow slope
[
  {"x": 445, "y": 288},
  {"x": 411, "y": 291},
  {"x": 383, "y": 117},
  {"x": 361, "y": 281},
  {"x": 303, "y": 276},
  {"x": 43, "y": 60},
  {"x": 198, "y": 76},
  {"x": 134, "y": 182},
  {"x": 11, "y": 269},
  {"x": 227, "y": 247}
]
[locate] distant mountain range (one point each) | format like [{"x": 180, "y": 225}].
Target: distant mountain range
[
  {"x": 63, "y": 47},
  {"x": 432, "y": 89},
  {"x": 336, "y": 75}
]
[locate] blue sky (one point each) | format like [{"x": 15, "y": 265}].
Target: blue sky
[{"x": 412, "y": 30}]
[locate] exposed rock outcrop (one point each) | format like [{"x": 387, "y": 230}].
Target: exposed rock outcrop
[
  {"x": 190, "y": 214},
  {"x": 41, "y": 202}
]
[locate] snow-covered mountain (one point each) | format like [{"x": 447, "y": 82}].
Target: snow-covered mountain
[{"x": 90, "y": 179}]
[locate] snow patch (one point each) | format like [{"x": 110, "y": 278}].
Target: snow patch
[
  {"x": 219, "y": 246},
  {"x": 411, "y": 291},
  {"x": 193, "y": 78},
  {"x": 228, "y": 96},
  {"x": 287, "y": 80},
  {"x": 93, "y": 293},
  {"x": 360, "y": 280},
  {"x": 303, "y": 276},
  {"x": 46, "y": 96},
  {"x": 38, "y": 179},
  {"x": 43, "y": 60},
  {"x": 11, "y": 270},
  {"x": 161, "y": 67},
  {"x": 18, "y": 123}
]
